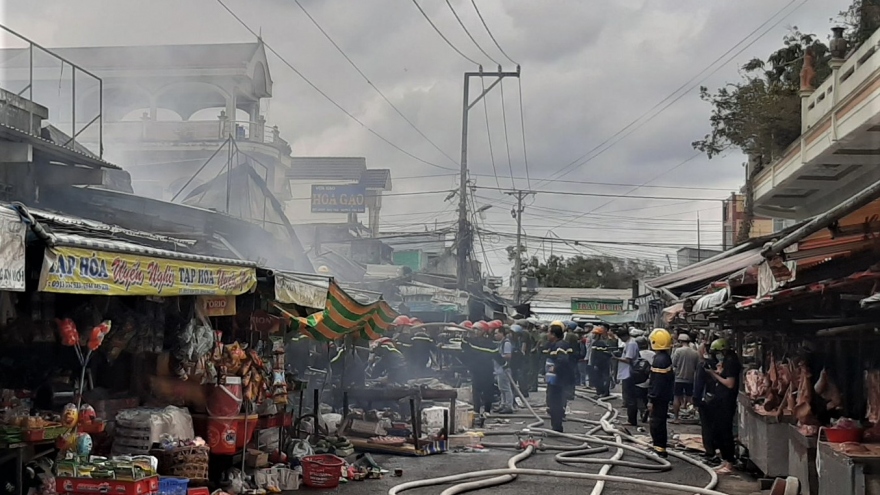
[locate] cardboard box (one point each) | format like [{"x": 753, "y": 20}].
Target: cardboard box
[{"x": 257, "y": 458}]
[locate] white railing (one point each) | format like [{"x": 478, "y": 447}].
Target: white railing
[
  {"x": 854, "y": 72},
  {"x": 182, "y": 131}
]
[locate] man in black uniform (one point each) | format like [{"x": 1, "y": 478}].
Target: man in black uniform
[
  {"x": 479, "y": 357},
  {"x": 600, "y": 360},
  {"x": 558, "y": 374},
  {"x": 661, "y": 389}
]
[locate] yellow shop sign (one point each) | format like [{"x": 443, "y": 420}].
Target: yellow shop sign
[{"x": 87, "y": 271}]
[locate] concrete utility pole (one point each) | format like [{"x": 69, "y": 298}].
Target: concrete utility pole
[
  {"x": 464, "y": 243},
  {"x": 517, "y": 263}
]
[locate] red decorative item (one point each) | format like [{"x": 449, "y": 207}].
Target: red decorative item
[
  {"x": 67, "y": 330},
  {"x": 98, "y": 334}
]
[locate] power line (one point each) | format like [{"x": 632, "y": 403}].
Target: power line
[
  {"x": 618, "y": 184},
  {"x": 506, "y": 141},
  {"x": 437, "y": 30},
  {"x": 359, "y": 71},
  {"x": 522, "y": 119},
  {"x": 325, "y": 95},
  {"x": 586, "y": 241},
  {"x": 460, "y": 23},
  {"x": 574, "y": 164},
  {"x": 474, "y": 3},
  {"x": 602, "y": 195},
  {"x": 489, "y": 134}
]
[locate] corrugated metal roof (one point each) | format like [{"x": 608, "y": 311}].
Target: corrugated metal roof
[
  {"x": 376, "y": 178},
  {"x": 564, "y": 294},
  {"x": 327, "y": 168}
]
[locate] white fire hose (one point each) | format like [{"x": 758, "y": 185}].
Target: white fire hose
[{"x": 494, "y": 477}]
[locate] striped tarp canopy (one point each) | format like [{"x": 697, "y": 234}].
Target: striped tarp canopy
[{"x": 343, "y": 315}]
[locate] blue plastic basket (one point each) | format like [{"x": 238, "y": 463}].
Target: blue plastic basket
[{"x": 173, "y": 486}]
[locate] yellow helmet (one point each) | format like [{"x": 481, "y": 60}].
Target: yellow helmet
[
  {"x": 559, "y": 324},
  {"x": 660, "y": 339}
]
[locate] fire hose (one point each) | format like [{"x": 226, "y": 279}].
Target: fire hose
[{"x": 570, "y": 454}]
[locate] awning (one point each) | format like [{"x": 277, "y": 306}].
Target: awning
[
  {"x": 785, "y": 295},
  {"x": 343, "y": 315},
  {"x": 716, "y": 268},
  {"x": 82, "y": 257},
  {"x": 622, "y": 318},
  {"x": 302, "y": 290},
  {"x": 711, "y": 301}
]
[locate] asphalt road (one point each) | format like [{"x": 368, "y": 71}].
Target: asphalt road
[{"x": 455, "y": 463}]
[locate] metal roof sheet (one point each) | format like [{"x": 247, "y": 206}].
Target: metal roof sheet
[{"x": 327, "y": 168}]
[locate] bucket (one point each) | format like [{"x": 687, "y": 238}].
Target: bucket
[
  {"x": 843, "y": 435},
  {"x": 226, "y": 435},
  {"x": 225, "y": 399}
]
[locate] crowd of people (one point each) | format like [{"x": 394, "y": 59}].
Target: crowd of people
[{"x": 690, "y": 375}]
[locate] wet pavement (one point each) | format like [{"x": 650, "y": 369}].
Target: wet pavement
[{"x": 455, "y": 463}]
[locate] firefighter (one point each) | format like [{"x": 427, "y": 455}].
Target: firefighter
[
  {"x": 558, "y": 374},
  {"x": 600, "y": 361},
  {"x": 479, "y": 357},
  {"x": 387, "y": 363},
  {"x": 661, "y": 388}
]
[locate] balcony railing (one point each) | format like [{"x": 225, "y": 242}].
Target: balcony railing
[{"x": 187, "y": 131}]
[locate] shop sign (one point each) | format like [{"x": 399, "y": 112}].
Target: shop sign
[
  {"x": 85, "y": 271},
  {"x": 592, "y": 306},
  {"x": 12, "y": 232},
  {"x": 218, "y": 305},
  {"x": 303, "y": 292},
  {"x": 449, "y": 296},
  {"x": 263, "y": 322},
  {"x": 345, "y": 198}
]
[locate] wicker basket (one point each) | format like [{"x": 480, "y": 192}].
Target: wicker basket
[{"x": 185, "y": 462}]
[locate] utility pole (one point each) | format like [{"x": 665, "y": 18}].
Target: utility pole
[
  {"x": 464, "y": 242},
  {"x": 699, "y": 249},
  {"x": 517, "y": 263}
]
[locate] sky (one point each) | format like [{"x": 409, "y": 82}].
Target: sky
[{"x": 589, "y": 69}]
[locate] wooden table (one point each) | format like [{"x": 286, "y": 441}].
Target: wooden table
[{"x": 415, "y": 396}]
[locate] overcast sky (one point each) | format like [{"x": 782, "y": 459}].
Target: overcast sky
[{"x": 589, "y": 68}]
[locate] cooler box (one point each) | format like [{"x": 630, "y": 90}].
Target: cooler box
[
  {"x": 86, "y": 486},
  {"x": 225, "y": 435}
]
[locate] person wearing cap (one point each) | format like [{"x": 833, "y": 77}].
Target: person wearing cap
[
  {"x": 518, "y": 361},
  {"x": 479, "y": 357},
  {"x": 642, "y": 388},
  {"x": 600, "y": 360},
  {"x": 685, "y": 360},
  {"x": 558, "y": 374}
]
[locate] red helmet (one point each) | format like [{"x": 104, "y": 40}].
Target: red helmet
[
  {"x": 402, "y": 320},
  {"x": 467, "y": 324},
  {"x": 381, "y": 342},
  {"x": 481, "y": 326},
  {"x": 496, "y": 324}
]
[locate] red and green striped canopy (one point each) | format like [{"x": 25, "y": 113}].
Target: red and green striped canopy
[{"x": 344, "y": 315}]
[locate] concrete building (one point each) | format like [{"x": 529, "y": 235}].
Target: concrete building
[{"x": 687, "y": 256}]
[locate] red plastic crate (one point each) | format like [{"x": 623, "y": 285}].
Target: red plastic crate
[
  {"x": 201, "y": 490},
  {"x": 87, "y": 486}
]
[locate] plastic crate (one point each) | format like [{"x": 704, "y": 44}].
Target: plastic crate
[{"x": 173, "y": 486}]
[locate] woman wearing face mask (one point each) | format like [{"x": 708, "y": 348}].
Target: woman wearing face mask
[
  {"x": 727, "y": 377},
  {"x": 704, "y": 396}
]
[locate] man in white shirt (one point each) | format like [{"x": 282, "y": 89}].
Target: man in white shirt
[
  {"x": 647, "y": 354},
  {"x": 628, "y": 356}
]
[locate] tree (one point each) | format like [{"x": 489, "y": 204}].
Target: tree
[
  {"x": 861, "y": 19},
  {"x": 585, "y": 272},
  {"x": 761, "y": 115}
]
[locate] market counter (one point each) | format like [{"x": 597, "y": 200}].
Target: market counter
[
  {"x": 843, "y": 472},
  {"x": 802, "y": 460},
  {"x": 766, "y": 438}
]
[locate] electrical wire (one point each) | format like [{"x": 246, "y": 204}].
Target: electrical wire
[
  {"x": 489, "y": 134},
  {"x": 506, "y": 140},
  {"x": 602, "y": 195},
  {"x": 592, "y": 183},
  {"x": 480, "y": 15},
  {"x": 325, "y": 95},
  {"x": 672, "y": 96},
  {"x": 460, "y": 23},
  {"x": 437, "y": 30},
  {"x": 364, "y": 76},
  {"x": 522, "y": 123}
]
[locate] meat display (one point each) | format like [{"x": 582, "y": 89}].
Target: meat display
[
  {"x": 802, "y": 410},
  {"x": 872, "y": 392},
  {"x": 754, "y": 383},
  {"x": 828, "y": 391}
]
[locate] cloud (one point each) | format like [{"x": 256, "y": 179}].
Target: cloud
[{"x": 588, "y": 70}]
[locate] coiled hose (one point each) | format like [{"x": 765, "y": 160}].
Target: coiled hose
[{"x": 570, "y": 454}]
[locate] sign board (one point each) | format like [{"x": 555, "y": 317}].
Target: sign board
[
  {"x": 310, "y": 293},
  {"x": 86, "y": 271},
  {"x": 592, "y": 306},
  {"x": 12, "y": 232},
  {"x": 457, "y": 298},
  {"x": 344, "y": 198},
  {"x": 218, "y": 305}
]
